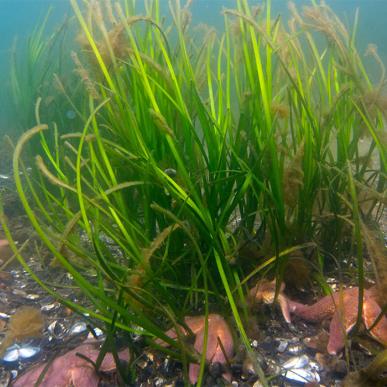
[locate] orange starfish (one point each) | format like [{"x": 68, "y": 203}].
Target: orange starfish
[
  {"x": 220, "y": 343},
  {"x": 341, "y": 307}
]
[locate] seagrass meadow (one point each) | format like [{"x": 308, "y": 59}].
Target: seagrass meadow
[{"x": 199, "y": 161}]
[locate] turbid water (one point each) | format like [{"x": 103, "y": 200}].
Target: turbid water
[{"x": 20, "y": 17}]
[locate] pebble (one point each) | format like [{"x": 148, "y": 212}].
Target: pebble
[{"x": 254, "y": 344}]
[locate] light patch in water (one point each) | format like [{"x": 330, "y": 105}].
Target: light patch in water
[{"x": 70, "y": 114}]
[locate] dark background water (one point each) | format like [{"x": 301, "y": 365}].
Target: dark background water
[{"x": 19, "y": 17}]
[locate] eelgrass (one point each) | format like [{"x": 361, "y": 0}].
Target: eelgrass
[
  {"x": 40, "y": 68},
  {"x": 191, "y": 151}
]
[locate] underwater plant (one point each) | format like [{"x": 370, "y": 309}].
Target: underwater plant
[
  {"x": 40, "y": 70},
  {"x": 204, "y": 159}
]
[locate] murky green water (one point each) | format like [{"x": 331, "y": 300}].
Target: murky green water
[{"x": 20, "y": 17}]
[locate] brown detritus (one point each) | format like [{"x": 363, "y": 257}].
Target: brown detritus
[
  {"x": 298, "y": 270},
  {"x": 318, "y": 342},
  {"x": 25, "y": 322},
  {"x": 280, "y": 110},
  {"x": 293, "y": 177},
  {"x": 85, "y": 76},
  {"x": 332, "y": 363}
]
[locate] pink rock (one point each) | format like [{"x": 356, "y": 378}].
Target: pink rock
[
  {"x": 71, "y": 369},
  {"x": 341, "y": 307},
  {"x": 218, "y": 332}
]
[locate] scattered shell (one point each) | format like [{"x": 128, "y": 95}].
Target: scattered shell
[
  {"x": 97, "y": 333},
  {"x": 272, "y": 367},
  {"x": 302, "y": 375},
  {"x": 158, "y": 382},
  {"x": 56, "y": 329},
  {"x": 32, "y": 296},
  {"x": 283, "y": 344},
  {"x": 301, "y": 369},
  {"x": 296, "y": 362},
  {"x": 254, "y": 344},
  {"x": 20, "y": 352},
  {"x": 15, "y": 273},
  {"x": 50, "y": 307},
  {"x": 314, "y": 365},
  {"x": 295, "y": 349},
  {"x": 77, "y": 328}
]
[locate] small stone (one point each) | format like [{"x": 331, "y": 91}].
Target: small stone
[
  {"x": 254, "y": 344},
  {"x": 18, "y": 292},
  {"x": 170, "y": 172},
  {"x": 97, "y": 333},
  {"x": 283, "y": 344},
  {"x": 32, "y": 296}
]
